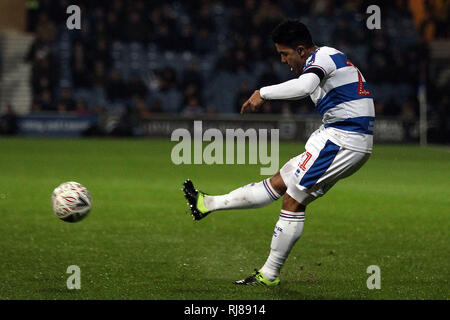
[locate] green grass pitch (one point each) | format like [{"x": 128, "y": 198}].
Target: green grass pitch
[{"x": 140, "y": 243}]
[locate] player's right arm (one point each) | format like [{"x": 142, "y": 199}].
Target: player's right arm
[{"x": 293, "y": 89}]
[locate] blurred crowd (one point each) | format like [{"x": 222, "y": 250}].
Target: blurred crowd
[{"x": 137, "y": 57}]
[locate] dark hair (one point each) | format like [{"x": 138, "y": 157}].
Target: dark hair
[{"x": 292, "y": 33}]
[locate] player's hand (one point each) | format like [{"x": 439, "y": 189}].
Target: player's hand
[{"x": 253, "y": 103}]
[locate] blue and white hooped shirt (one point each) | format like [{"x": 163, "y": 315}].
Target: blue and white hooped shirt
[{"x": 342, "y": 99}]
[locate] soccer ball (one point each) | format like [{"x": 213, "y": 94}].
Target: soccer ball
[{"x": 71, "y": 201}]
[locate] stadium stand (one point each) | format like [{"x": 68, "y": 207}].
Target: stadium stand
[{"x": 201, "y": 56}]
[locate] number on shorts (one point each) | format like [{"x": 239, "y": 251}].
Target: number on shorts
[{"x": 303, "y": 165}]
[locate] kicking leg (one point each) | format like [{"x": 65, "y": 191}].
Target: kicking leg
[{"x": 254, "y": 195}]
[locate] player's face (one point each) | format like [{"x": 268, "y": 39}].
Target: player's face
[{"x": 293, "y": 58}]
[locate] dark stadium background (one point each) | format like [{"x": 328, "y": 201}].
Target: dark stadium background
[{"x": 133, "y": 60}]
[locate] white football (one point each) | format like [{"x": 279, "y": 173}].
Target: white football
[{"x": 71, "y": 201}]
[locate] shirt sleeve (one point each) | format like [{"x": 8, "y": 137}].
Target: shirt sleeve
[
  {"x": 294, "y": 89},
  {"x": 320, "y": 64}
]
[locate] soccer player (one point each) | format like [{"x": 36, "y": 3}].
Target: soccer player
[{"x": 336, "y": 150}]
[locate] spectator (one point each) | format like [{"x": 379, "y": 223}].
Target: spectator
[
  {"x": 193, "y": 107},
  {"x": 9, "y": 122},
  {"x": 136, "y": 87},
  {"x": 141, "y": 107},
  {"x": 186, "y": 38},
  {"x": 408, "y": 117},
  {"x": 191, "y": 91},
  {"x": 46, "y": 100},
  {"x": 81, "y": 109},
  {"x": 167, "y": 79},
  {"x": 81, "y": 77},
  {"x": 203, "y": 18},
  {"x": 269, "y": 77},
  {"x": 192, "y": 76},
  {"x": 135, "y": 29},
  {"x": 156, "y": 106},
  {"x": 100, "y": 78},
  {"x": 204, "y": 41},
  {"x": 113, "y": 26},
  {"x": 116, "y": 88},
  {"x": 67, "y": 99},
  {"x": 101, "y": 52},
  {"x": 43, "y": 75},
  {"x": 46, "y": 29},
  {"x": 127, "y": 123},
  {"x": 256, "y": 49},
  {"x": 36, "y": 106},
  {"x": 61, "y": 108},
  {"x": 79, "y": 54}
]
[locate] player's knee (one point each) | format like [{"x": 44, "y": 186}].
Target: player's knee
[
  {"x": 290, "y": 204},
  {"x": 278, "y": 184}
]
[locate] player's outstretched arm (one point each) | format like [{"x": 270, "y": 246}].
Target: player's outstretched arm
[{"x": 294, "y": 89}]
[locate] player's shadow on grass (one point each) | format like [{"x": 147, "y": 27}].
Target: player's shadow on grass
[{"x": 231, "y": 291}]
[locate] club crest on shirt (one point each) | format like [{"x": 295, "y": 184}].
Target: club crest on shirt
[{"x": 310, "y": 60}]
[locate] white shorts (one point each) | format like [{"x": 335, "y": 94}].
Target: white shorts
[{"x": 311, "y": 174}]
